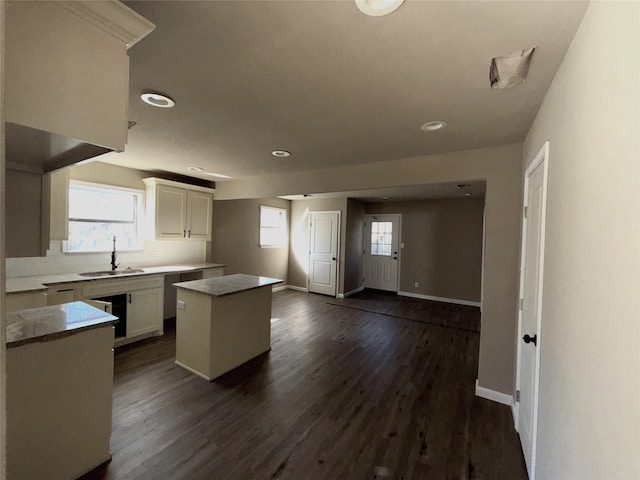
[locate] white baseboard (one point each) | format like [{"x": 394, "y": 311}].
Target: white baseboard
[
  {"x": 440, "y": 299},
  {"x": 352, "y": 292},
  {"x": 279, "y": 288},
  {"x": 299, "y": 289},
  {"x": 515, "y": 414},
  {"x": 489, "y": 394}
]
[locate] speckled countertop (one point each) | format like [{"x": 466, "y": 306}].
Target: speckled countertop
[
  {"x": 40, "y": 282},
  {"x": 50, "y": 323},
  {"x": 228, "y": 284}
]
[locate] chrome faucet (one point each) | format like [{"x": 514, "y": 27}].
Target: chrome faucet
[{"x": 113, "y": 255}]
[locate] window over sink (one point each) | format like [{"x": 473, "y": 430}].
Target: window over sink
[{"x": 98, "y": 213}]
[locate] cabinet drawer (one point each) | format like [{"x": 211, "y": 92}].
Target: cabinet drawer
[{"x": 108, "y": 287}]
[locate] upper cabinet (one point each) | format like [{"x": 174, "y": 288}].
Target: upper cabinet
[
  {"x": 67, "y": 79},
  {"x": 178, "y": 210}
]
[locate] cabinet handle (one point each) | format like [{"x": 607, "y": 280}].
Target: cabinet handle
[
  {"x": 184, "y": 233},
  {"x": 189, "y": 233},
  {"x": 129, "y": 298}
]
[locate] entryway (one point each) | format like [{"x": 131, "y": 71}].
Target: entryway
[{"x": 381, "y": 252}]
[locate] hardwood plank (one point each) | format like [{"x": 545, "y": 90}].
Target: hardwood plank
[{"x": 344, "y": 393}]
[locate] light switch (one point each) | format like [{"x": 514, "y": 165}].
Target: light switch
[
  {"x": 180, "y": 305},
  {"x": 401, "y": 244}
]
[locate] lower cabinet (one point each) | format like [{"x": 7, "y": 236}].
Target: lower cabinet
[
  {"x": 144, "y": 308},
  {"x": 138, "y": 302}
]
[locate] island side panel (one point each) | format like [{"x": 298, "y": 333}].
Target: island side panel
[
  {"x": 59, "y": 402},
  {"x": 241, "y": 328},
  {"x": 193, "y": 332}
]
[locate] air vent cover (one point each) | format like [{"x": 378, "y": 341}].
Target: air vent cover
[{"x": 509, "y": 70}]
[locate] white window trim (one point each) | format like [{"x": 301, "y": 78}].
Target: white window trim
[
  {"x": 286, "y": 228},
  {"x": 139, "y": 215}
]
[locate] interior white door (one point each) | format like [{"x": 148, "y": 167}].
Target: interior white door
[
  {"x": 381, "y": 252},
  {"x": 530, "y": 316},
  {"x": 323, "y": 252}
]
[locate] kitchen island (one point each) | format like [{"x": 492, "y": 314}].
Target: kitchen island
[
  {"x": 222, "y": 322},
  {"x": 59, "y": 362}
]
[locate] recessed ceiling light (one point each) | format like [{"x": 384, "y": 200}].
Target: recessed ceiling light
[
  {"x": 384, "y": 198},
  {"x": 196, "y": 169},
  {"x": 378, "y": 8},
  {"x": 157, "y": 100},
  {"x": 217, "y": 175},
  {"x": 466, "y": 194},
  {"x": 431, "y": 126},
  {"x": 281, "y": 153}
]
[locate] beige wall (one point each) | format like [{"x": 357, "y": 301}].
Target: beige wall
[
  {"x": 299, "y": 254},
  {"x": 502, "y": 169},
  {"x": 442, "y": 246},
  {"x": 354, "y": 246},
  {"x": 236, "y": 238},
  {"x": 589, "y": 411}
]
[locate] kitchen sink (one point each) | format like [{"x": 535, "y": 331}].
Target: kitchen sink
[{"x": 111, "y": 273}]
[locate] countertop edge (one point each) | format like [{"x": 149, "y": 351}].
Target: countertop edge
[
  {"x": 45, "y": 284},
  {"x": 49, "y": 337}
]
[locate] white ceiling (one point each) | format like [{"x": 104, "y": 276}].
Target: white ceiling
[{"x": 330, "y": 84}]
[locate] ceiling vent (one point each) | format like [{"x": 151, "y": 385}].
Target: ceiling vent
[{"x": 509, "y": 70}]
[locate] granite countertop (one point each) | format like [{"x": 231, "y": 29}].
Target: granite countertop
[
  {"x": 39, "y": 282},
  {"x": 227, "y": 285},
  {"x": 50, "y": 323}
]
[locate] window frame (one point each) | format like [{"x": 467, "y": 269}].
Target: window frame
[
  {"x": 284, "y": 226},
  {"x": 139, "y": 217}
]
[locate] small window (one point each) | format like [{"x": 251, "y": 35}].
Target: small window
[
  {"x": 98, "y": 213},
  {"x": 273, "y": 227},
  {"x": 381, "y": 236}
]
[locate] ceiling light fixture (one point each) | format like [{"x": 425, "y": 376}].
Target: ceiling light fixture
[
  {"x": 378, "y": 8},
  {"x": 466, "y": 194},
  {"x": 196, "y": 169},
  {"x": 432, "y": 126},
  {"x": 281, "y": 153},
  {"x": 156, "y": 99}
]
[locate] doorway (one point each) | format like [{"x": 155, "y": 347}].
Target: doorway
[
  {"x": 530, "y": 315},
  {"x": 324, "y": 232},
  {"x": 381, "y": 252}
]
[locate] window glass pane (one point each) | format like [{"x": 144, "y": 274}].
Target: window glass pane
[
  {"x": 98, "y": 214},
  {"x": 381, "y": 237},
  {"x": 273, "y": 226},
  {"x": 86, "y": 202}
]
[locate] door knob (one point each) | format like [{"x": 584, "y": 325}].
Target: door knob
[
  {"x": 395, "y": 258},
  {"x": 334, "y": 259},
  {"x": 528, "y": 339}
]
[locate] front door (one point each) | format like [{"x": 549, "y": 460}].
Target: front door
[
  {"x": 381, "y": 252},
  {"x": 324, "y": 231},
  {"x": 531, "y": 299}
]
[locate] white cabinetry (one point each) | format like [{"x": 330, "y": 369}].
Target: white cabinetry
[
  {"x": 144, "y": 303},
  {"x": 178, "y": 210},
  {"x": 144, "y": 308},
  {"x": 67, "y": 68}
]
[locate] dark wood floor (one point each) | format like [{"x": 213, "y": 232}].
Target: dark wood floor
[{"x": 343, "y": 394}]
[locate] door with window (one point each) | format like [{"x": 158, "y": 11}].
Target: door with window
[
  {"x": 324, "y": 231},
  {"x": 381, "y": 253}
]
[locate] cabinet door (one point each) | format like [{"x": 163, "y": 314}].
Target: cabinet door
[
  {"x": 199, "y": 215},
  {"x": 144, "y": 312},
  {"x": 171, "y": 210}
]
